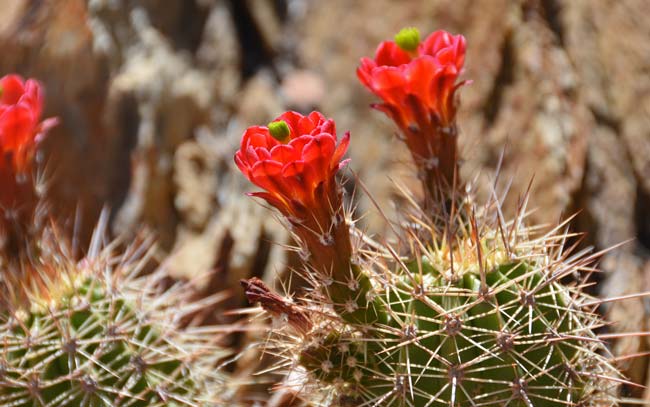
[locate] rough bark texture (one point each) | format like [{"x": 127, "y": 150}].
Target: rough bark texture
[{"x": 153, "y": 96}]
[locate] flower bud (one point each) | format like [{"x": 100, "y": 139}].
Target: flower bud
[
  {"x": 408, "y": 39},
  {"x": 279, "y": 130}
]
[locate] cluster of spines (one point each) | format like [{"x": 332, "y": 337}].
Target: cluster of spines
[
  {"x": 102, "y": 334},
  {"x": 503, "y": 329}
]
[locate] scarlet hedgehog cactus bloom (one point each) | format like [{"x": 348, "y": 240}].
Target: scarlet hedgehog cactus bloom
[
  {"x": 417, "y": 81},
  {"x": 295, "y": 163},
  {"x": 21, "y": 129},
  {"x": 295, "y": 160},
  {"x": 21, "y": 105}
]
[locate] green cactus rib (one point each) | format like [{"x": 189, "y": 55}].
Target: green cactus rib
[{"x": 93, "y": 348}]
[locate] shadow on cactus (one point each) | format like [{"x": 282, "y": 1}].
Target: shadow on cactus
[{"x": 464, "y": 308}]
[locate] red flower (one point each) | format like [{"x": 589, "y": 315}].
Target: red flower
[
  {"x": 295, "y": 159},
  {"x": 21, "y": 104},
  {"x": 298, "y": 173},
  {"x": 425, "y": 77},
  {"x": 417, "y": 82},
  {"x": 21, "y": 129}
]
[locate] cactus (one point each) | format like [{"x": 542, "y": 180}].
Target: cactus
[
  {"x": 103, "y": 331},
  {"x": 465, "y": 309},
  {"x": 102, "y": 335},
  {"x": 495, "y": 328}
]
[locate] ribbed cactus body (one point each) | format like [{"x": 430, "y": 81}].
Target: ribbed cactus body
[
  {"x": 492, "y": 330},
  {"x": 463, "y": 346},
  {"x": 106, "y": 342}
]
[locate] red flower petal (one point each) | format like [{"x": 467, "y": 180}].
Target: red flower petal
[
  {"x": 266, "y": 168},
  {"x": 419, "y": 74},
  {"x": 299, "y": 143},
  {"x": 435, "y": 42},
  {"x": 340, "y": 150},
  {"x": 17, "y": 126},
  {"x": 293, "y": 169},
  {"x": 12, "y": 89},
  {"x": 327, "y": 126},
  {"x": 284, "y": 153},
  {"x": 319, "y": 148},
  {"x": 263, "y": 153},
  {"x": 305, "y": 125},
  {"x": 389, "y": 83},
  {"x": 448, "y": 58},
  {"x": 317, "y": 117},
  {"x": 258, "y": 136},
  {"x": 267, "y": 175},
  {"x": 364, "y": 71},
  {"x": 250, "y": 155},
  {"x": 33, "y": 96},
  {"x": 242, "y": 165},
  {"x": 390, "y": 54}
]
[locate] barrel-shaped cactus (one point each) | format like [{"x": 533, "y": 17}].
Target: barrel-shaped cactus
[
  {"x": 498, "y": 327},
  {"x": 100, "y": 335}
]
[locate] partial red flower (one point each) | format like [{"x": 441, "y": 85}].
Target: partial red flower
[
  {"x": 21, "y": 129},
  {"x": 21, "y": 104},
  {"x": 298, "y": 174},
  {"x": 417, "y": 81}
]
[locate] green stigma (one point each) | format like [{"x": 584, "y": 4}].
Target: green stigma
[
  {"x": 279, "y": 130},
  {"x": 408, "y": 39}
]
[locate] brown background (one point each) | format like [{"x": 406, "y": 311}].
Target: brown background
[{"x": 153, "y": 96}]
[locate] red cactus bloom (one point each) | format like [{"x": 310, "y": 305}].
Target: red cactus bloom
[
  {"x": 428, "y": 75},
  {"x": 295, "y": 160},
  {"x": 298, "y": 174},
  {"x": 21, "y": 129},
  {"x": 417, "y": 82},
  {"x": 21, "y": 104}
]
